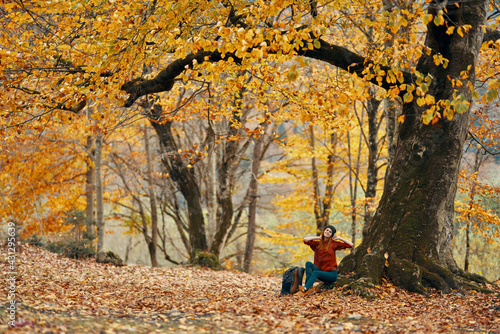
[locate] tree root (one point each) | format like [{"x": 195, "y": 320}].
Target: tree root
[
  {"x": 474, "y": 277},
  {"x": 349, "y": 285},
  {"x": 360, "y": 288},
  {"x": 406, "y": 275},
  {"x": 417, "y": 276}
]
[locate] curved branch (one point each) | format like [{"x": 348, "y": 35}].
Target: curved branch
[
  {"x": 165, "y": 80},
  {"x": 331, "y": 54},
  {"x": 486, "y": 150}
]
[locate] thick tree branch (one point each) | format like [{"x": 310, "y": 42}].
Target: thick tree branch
[
  {"x": 331, "y": 54},
  {"x": 165, "y": 80}
]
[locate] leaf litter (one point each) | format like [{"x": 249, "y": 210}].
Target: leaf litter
[{"x": 60, "y": 295}]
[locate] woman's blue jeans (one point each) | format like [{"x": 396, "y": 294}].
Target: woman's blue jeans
[{"x": 313, "y": 273}]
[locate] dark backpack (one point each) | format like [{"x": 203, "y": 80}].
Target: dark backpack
[{"x": 289, "y": 279}]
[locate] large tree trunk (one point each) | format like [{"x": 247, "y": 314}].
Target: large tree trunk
[
  {"x": 252, "y": 206},
  {"x": 413, "y": 224}
]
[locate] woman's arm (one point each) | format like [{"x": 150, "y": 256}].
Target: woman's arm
[
  {"x": 343, "y": 240},
  {"x": 311, "y": 238}
]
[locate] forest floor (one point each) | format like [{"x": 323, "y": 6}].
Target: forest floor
[{"x": 59, "y": 295}]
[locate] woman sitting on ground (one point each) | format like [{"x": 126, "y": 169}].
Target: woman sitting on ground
[{"x": 325, "y": 261}]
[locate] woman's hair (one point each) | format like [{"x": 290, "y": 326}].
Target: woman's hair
[{"x": 322, "y": 241}]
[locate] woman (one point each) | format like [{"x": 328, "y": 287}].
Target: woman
[{"x": 325, "y": 261}]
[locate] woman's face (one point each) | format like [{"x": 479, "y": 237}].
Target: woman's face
[{"x": 327, "y": 233}]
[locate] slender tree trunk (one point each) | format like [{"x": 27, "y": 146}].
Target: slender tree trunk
[
  {"x": 314, "y": 169},
  {"x": 477, "y": 164},
  {"x": 413, "y": 225},
  {"x": 322, "y": 207},
  {"x": 353, "y": 188},
  {"x": 185, "y": 180},
  {"x": 90, "y": 187},
  {"x": 467, "y": 246},
  {"x": 225, "y": 198},
  {"x": 330, "y": 188},
  {"x": 145, "y": 228},
  {"x": 467, "y": 227},
  {"x": 152, "y": 199},
  {"x": 252, "y": 206},
  {"x": 372, "y": 172},
  {"x": 211, "y": 196},
  {"x": 99, "y": 193},
  {"x": 226, "y": 179}
]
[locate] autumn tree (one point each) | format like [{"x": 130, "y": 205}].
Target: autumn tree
[
  {"x": 40, "y": 182},
  {"x": 475, "y": 210},
  {"x": 414, "y": 220},
  {"x": 188, "y": 41}
]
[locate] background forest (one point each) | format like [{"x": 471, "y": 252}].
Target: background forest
[{"x": 263, "y": 153}]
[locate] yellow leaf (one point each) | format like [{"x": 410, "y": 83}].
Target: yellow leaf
[
  {"x": 429, "y": 99},
  {"x": 408, "y": 97},
  {"x": 493, "y": 84},
  {"x": 426, "y": 118},
  {"x": 448, "y": 114},
  {"x": 401, "y": 119},
  {"x": 427, "y": 18},
  {"x": 492, "y": 94},
  {"x": 343, "y": 98}
]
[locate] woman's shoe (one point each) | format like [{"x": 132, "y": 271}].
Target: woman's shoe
[{"x": 311, "y": 291}]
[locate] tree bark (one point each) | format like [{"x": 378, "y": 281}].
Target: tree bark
[
  {"x": 477, "y": 164},
  {"x": 391, "y": 112},
  {"x": 413, "y": 224}
]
